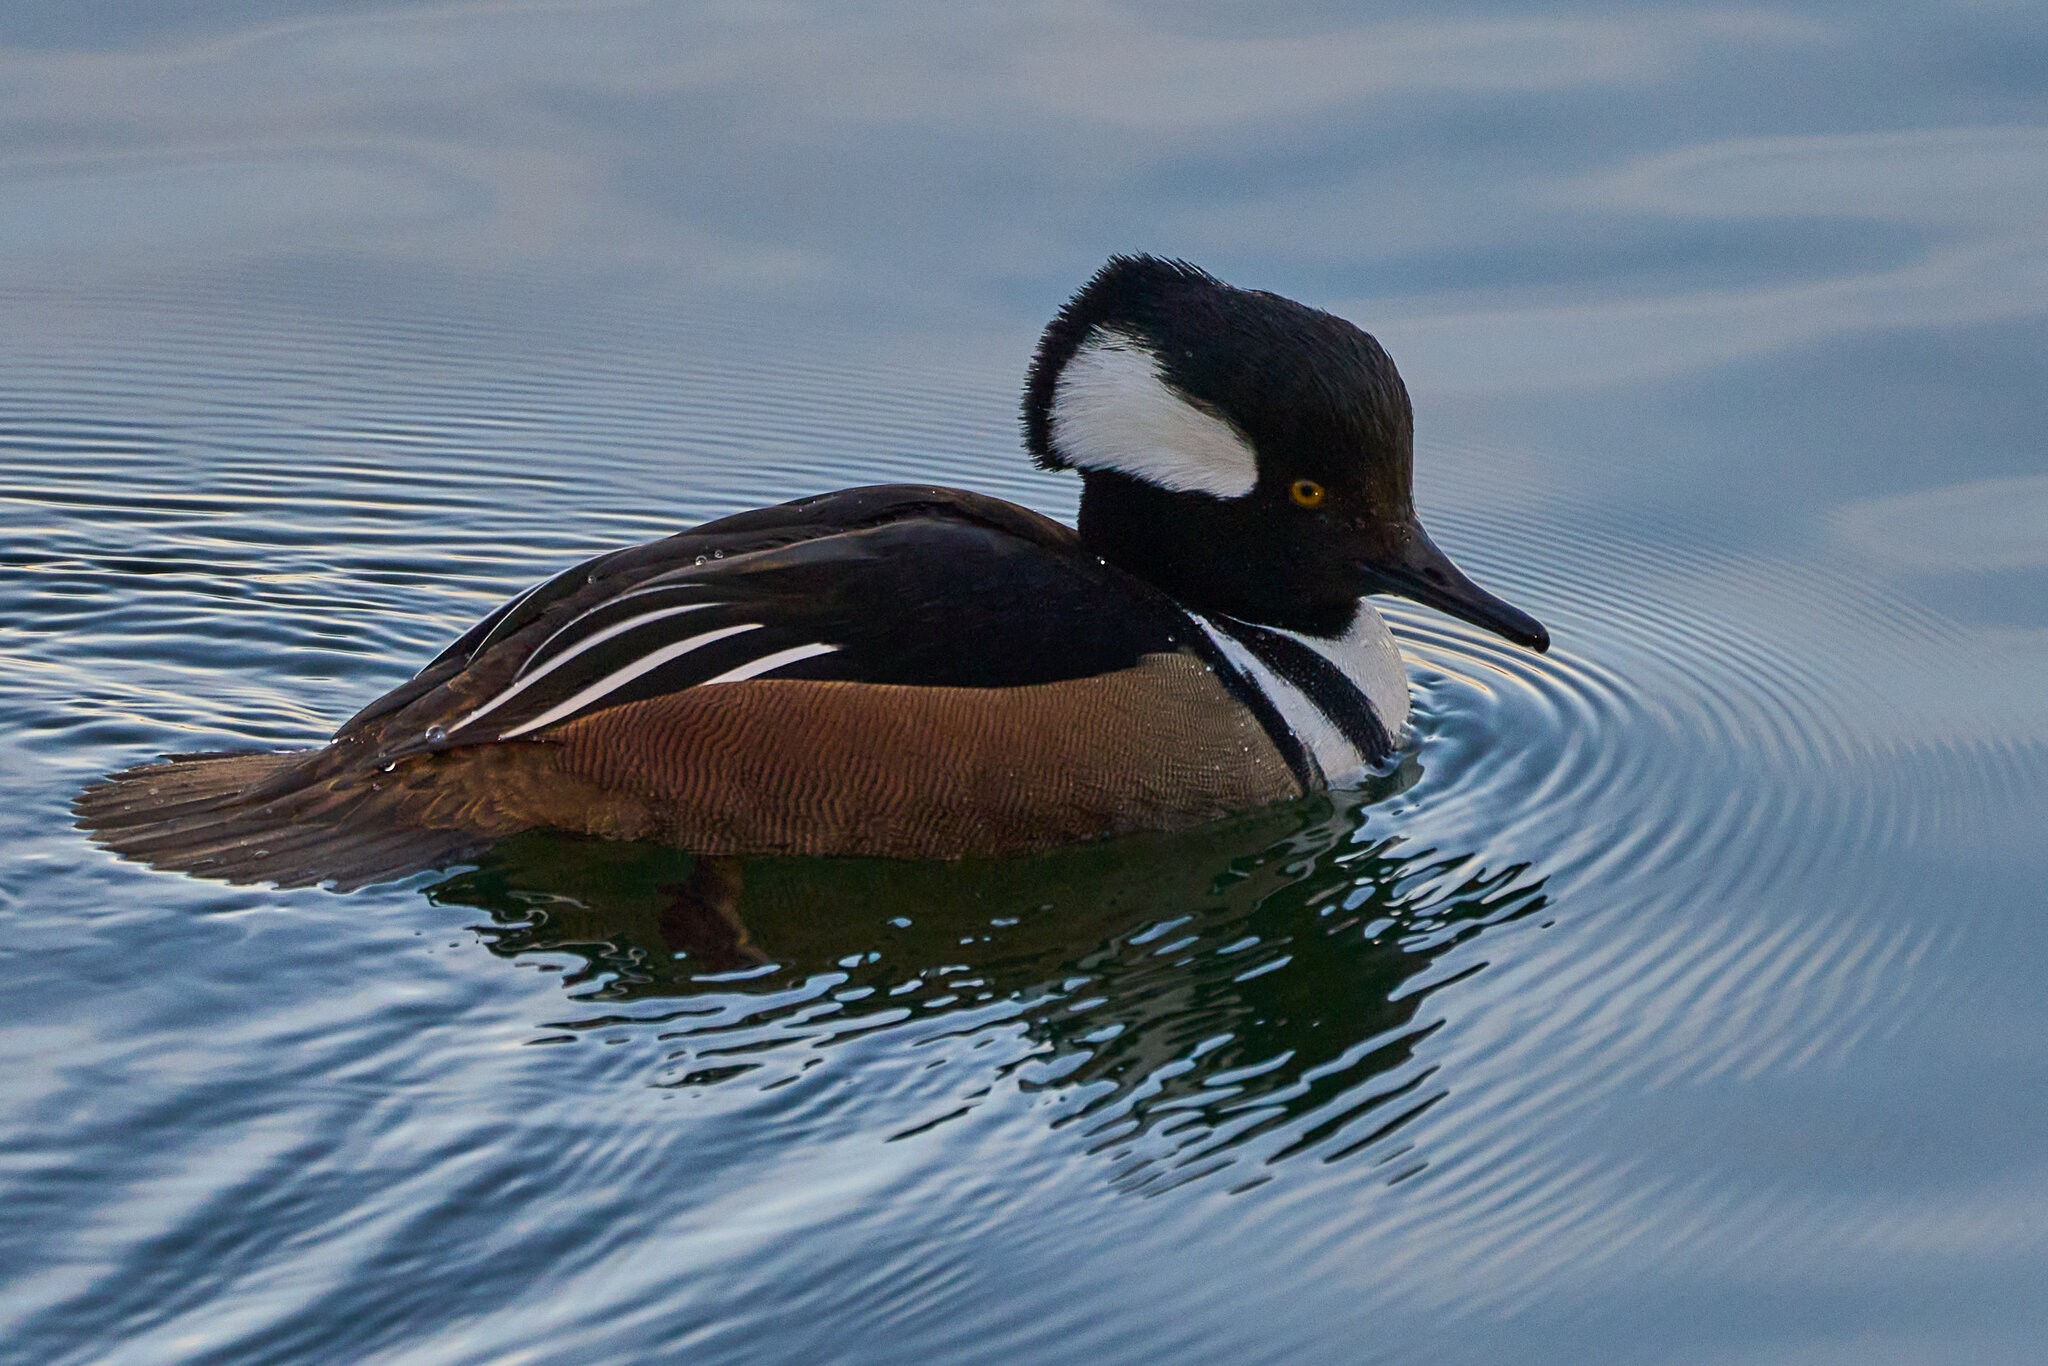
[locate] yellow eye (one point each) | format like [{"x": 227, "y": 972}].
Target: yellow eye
[{"x": 1306, "y": 492}]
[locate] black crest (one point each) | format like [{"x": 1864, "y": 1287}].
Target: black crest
[{"x": 1285, "y": 374}]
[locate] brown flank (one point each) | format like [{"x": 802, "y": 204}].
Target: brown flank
[{"x": 778, "y": 766}]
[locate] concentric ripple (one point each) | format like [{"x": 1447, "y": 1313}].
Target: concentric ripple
[{"x": 1790, "y": 749}]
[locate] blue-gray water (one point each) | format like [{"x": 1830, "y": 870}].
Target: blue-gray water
[{"x": 1682, "y": 1001}]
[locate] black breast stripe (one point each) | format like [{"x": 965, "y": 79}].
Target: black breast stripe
[
  {"x": 1321, "y": 682},
  {"x": 1302, "y": 764}
]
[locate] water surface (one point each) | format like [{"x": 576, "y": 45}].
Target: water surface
[{"x": 1677, "y": 1000}]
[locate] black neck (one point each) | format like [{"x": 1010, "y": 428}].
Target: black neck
[{"x": 1214, "y": 556}]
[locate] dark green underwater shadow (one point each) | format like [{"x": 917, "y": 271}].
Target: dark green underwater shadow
[{"x": 1255, "y": 988}]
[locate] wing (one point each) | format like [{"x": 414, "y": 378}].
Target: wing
[{"x": 910, "y": 586}]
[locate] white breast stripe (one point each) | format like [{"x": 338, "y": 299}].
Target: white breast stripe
[
  {"x": 768, "y": 662},
  {"x": 612, "y": 682},
  {"x": 1112, "y": 411},
  {"x": 1368, "y": 656},
  {"x": 1337, "y": 756},
  {"x": 523, "y": 681}
]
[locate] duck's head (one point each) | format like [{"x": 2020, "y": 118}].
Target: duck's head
[{"x": 1248, "y": 454}]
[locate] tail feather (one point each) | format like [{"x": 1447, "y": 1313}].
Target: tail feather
[
  {"x": 194, "y": 825},
  {"x": 187, "y": 785},
  {"x": 285, "y": 817}
]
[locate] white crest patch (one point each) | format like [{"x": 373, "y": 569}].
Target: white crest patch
[{"x": 1112, "y": 411}]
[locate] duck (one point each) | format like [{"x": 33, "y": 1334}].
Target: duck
[{"x": 910, "y": 671}]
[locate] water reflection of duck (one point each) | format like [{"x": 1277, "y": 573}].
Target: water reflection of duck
[
  {"x": 1260, "y": 983},
  {"x": 919, "y": 672}
]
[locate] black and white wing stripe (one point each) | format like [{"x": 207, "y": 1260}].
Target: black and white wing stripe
[
  {"x": 924, "y": 601},
  {"x": 523, "y": 610},
  {"x": 548, "y": 603},
  {"x": 636, "y": 644},
  {"x": 642, "y": 642}
]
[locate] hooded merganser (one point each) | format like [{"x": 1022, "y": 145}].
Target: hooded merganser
[{"x": 918, "y": 672}]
